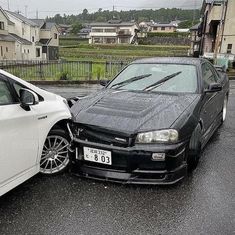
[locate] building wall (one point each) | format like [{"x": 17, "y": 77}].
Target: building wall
[
  {"x": 5, "y": 21},
  {"x": 157, "y": 29},
  {"x": 112, "y": 35},
  {"x": 229, "y": 29},
  {"x": 7, "y": 50}
]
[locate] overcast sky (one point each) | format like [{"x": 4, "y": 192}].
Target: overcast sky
[{"x": 52, "y": 7}]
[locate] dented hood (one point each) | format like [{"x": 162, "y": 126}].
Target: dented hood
[{"x": 131, "y": 112}]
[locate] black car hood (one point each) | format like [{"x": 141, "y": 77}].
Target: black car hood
[{"x": 131, "y": 112}]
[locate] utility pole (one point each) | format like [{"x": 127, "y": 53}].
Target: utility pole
[
  {"x": 8, "y": 5},
  {"x": 219, "y": 35},
  {"x": 37, "y": 14},
  {"x": 25, "y": 11},
  {"x": 194, "y": 13}
]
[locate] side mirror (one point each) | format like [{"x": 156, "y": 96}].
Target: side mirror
[
  {"x": 104, "y": 82},
  {"x": 214, "y": 87},
  {"x": 28, "y": 98}
]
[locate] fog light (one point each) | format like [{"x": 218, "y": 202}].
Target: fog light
[{"x": 158, "y": 157}]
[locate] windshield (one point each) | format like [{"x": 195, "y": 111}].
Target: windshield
[{"x": 175, "y": 78}]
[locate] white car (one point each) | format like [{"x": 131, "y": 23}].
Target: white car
[{"x": 33, "y": 132}]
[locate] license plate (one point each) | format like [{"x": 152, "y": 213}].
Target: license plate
[{"x": 97, "y": 155}]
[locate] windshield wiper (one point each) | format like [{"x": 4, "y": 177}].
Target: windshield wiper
[
  {"x": 162, "y": 81},
  {"x": 130, "y": 80}
]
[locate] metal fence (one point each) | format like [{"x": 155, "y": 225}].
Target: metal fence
[{"x": 63, "y": 70}]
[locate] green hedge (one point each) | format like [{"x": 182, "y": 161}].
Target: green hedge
[{"x": 173, "y": 35}]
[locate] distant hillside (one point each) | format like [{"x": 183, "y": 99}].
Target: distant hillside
[{"x": 161, "y": 15}]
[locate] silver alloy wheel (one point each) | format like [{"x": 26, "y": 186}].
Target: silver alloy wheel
[
  {"x": 55, "y": 157},
  {"x": 225, "y": 108}
]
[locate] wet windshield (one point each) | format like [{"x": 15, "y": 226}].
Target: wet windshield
[{"x": 175, "y": 78}]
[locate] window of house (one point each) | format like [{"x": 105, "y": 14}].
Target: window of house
[
  {"x": 6, "y": 49},
  {"x": 1, "y": 51},
  {"x": 22, "y": 31},
  {"x": 98, "y": 30},
  {"x": 32, "y": 38},
  {"x": 110, "y": 30},
  {"x": 38, "y": 52},
  {"x": 55, "y": 36},
  {"x": 28, "y": 51},
  {"x": 163, "y": 28},
  {"x": 2, "y": 25},
  {"x": 98, "y": 40},
  {"x": 24, "y": 51},
  {"x": 124, "y": 40},
  {"x": 229, "y": 48}
]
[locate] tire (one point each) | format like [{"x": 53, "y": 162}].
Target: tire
[
  {"x": 194, "y": 149},
  {"x": 55, "y": 155},
  {"x": 224, "y": 110}
]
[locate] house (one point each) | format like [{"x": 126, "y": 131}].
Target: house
[
  {"x": 84, "y": 33},
  {"x": 7, "y": 42},
  {"x": 26, "y": 35},
  {"x": 48, "y": 38},
  {"x": 217, "y": 32},
  {"x": 195, "y": 40},
  {"x": 64, "y": 29},
  {"x": 163, "y": 28},
  {"x": 113, "y": 32}
]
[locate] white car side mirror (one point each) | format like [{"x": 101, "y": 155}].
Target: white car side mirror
[{"x": 28, "y": 98}]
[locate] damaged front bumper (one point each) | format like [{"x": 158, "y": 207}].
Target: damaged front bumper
[{"x": 133, "y": 165}]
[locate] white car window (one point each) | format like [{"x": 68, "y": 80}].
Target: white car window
[{"x": 5, "y": 94}]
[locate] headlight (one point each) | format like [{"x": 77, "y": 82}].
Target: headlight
[{"x": 162, "y": 136}]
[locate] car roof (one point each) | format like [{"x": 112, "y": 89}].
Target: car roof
[{"x": 171, "y": 60}]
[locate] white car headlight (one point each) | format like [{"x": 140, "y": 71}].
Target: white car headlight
[{"x": 162, "y": 136}]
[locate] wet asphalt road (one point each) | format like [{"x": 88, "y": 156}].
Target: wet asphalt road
[{"x": 204, "y": 203}]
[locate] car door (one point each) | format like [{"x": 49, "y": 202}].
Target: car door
[
  {"x": 18, "y": 136},
  {"x": 211, "y": 101}
]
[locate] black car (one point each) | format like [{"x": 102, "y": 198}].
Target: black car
[{"x": 150, "y": 123}]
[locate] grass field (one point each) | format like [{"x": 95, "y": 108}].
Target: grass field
[{"x": 73, "y": 50}]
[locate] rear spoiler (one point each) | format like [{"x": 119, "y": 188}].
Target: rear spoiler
[{"x": 221, "y": 69}]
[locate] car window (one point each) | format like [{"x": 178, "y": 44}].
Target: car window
[
  {"x": 5, "y": 94},
  {"x": 208, "y": 74},
  {"x": 183, "y": 80},
  {"x": 17, "y": 87}
]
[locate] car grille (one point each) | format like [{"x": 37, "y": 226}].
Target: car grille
[{"x": 98, "y": 135}]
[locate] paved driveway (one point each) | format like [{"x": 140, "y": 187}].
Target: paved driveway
[{"x": 204, "y": 203}]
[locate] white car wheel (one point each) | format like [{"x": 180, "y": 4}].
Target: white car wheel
[{"x": 55, "y": 154}]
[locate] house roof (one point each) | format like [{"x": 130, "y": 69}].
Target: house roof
[
  {"x": 195, "y": 27},
  {"x": 38, "y": 22},
  {"x": 112, "y": 23},
  {"x": 6, "y": 16},
  {"x": 6, "y": 38},
  {"x": 45, "y": 41},
  {"x": 48, "y": 25},
  {"x": 20, "y": 40},
  {"x": 21, "y": 18}
]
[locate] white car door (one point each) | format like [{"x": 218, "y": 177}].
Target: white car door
[{"x": 18, "y": 140}]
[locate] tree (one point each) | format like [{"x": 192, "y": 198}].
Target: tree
[
  {"x": 84, "y": 14},
  {"x": 76, "y": 28}
]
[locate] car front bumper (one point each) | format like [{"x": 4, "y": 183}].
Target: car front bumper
[{"x": 133, "y": 165}]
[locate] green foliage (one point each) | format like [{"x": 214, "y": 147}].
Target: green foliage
[
  {"x": 186, "y": 24},
  {"x": 173, "y": 35},
  {"x": 160, "y": 15},
  {"x": 76, "y": 27}
]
